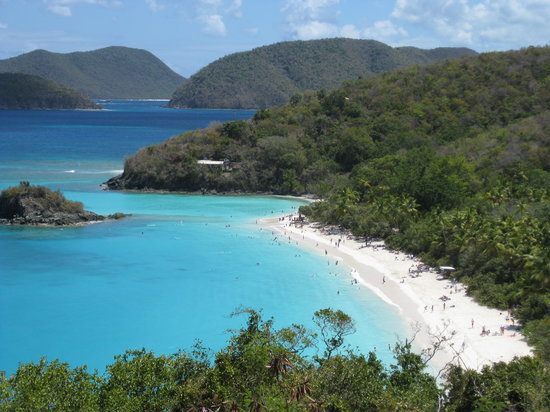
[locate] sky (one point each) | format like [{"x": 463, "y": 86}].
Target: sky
[{"x": 189, "y": 34}]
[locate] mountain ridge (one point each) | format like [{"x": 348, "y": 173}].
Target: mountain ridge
[
  {"x": 269, "y": 75},
  {"x": 108, "y": 73}
]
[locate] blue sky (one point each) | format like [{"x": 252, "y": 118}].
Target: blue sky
[{"x": 189, "y": 34}]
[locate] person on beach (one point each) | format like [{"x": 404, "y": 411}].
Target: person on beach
[{"x": 472, "y": 323}]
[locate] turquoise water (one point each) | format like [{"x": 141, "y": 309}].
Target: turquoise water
[{"x": 162, "y": 278}]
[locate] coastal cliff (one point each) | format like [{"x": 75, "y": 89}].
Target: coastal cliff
[{"x": 38, "y": 205}]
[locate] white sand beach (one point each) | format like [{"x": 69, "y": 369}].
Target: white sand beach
[{"x": 457, "y": 323}]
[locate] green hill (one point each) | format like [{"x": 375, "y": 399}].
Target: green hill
[
  {"x": 432, "y": 105},
  {"x": 108, "y": 73},
  {"x": 269, "y": 76},
  {"x": 449, "y": 161},
  {"x": 25, "y": 92}
]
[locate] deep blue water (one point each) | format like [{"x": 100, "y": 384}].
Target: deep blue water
[{"x": 170, "y": 274}]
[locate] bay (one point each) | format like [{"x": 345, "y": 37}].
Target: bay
[{"x": 171, "y": 273}]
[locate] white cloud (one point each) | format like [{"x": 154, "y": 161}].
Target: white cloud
[
  {"x": 60, "y": 10},
  {"x": 487, "y": 24},
  {"x": 315, "y": 19},
  {"x": 307, "y": 9},
  {"x": 64, "y": 7},
  {"x": 385, "y": 31},
  {"x": 3, "y": 26},
  {"x": 213, "y": 25},
  {"x": 350, "y": 31},
  {"x": 315, "y": 30},
  {"x": 154, "y": 5},
  {"x": 211, "y": 14},
  {"x": 310, "y": 19},
  {"x": 211, "y": 2},
  {"x": 236, "y": 8}
]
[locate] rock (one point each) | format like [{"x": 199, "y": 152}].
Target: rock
[{"x": 38, "y": 205}]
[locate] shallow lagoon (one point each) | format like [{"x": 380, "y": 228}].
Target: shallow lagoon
[{"x": 170, "y": 274}]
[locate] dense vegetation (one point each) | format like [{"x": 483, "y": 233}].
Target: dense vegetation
[
  {"x": 24, "y": 92},
  {"x": 37, "y": 205},
  {"x": 264, "y": 369},
  {"x": 108, "y": 73},
  {"x": 270, "y": 75},
  {"x": 449, "y": 161},
  {"x": 42, "y": 198}
]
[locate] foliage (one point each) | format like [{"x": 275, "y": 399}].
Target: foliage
[
  {"x": 14, "y": 199},
  {"x": 52, "y": 385},
  {"x": 271, "y": 75},
  {"x": 25, "y": 92},
  {"x": 333, "y": 326},
  {"x": 260, "y": 370},
  {"x": 449, "y": 161},
  {"x": 108, "y": 73},
  {"x": 521, "y": 385}
]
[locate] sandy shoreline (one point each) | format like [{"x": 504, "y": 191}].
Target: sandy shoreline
[{"x": 457, "y": 322}]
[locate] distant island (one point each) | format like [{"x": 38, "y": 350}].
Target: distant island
[
  {"x": 25, "y": 92},
  {"x": 37, "y": 205},
  {"x": 108, "y": 73},
  {"x": 270, "y": 75}
]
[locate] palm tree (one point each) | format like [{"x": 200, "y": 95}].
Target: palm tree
[{"x": 345, "y": 199}]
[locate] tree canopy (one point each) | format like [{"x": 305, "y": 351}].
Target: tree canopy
[{"x": 260, "y": 370}]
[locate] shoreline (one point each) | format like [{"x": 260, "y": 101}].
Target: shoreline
[{"x": 455, "y": 323}]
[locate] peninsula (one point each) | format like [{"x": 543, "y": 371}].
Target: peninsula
[{"x": 26, "y": 92}]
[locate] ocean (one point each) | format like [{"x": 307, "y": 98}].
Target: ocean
[{"x": 167, "y": 276}]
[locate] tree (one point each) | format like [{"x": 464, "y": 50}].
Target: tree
[
  {"x": 49, "y": 385},
  {"x": 521, "y": 385},
  {"x": 139, "y": 381},
  {"x": 333, "y": 326}
]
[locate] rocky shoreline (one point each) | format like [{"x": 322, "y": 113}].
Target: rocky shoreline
[
  {"x": 60, "y": 219},
  {"x": 40, "y": 206}
]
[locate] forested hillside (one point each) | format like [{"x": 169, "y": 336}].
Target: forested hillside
[
  {"x": 25, "y": 92},
  {"x": 450, "y": 161},
  {"x": 108, "y": 73},
  {"x": 270, "y": 75}
]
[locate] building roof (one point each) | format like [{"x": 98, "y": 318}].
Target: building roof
[{"x": 211, "y": 162}]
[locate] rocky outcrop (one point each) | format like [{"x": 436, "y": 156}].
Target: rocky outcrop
[{"x": 38, "y": 205}]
